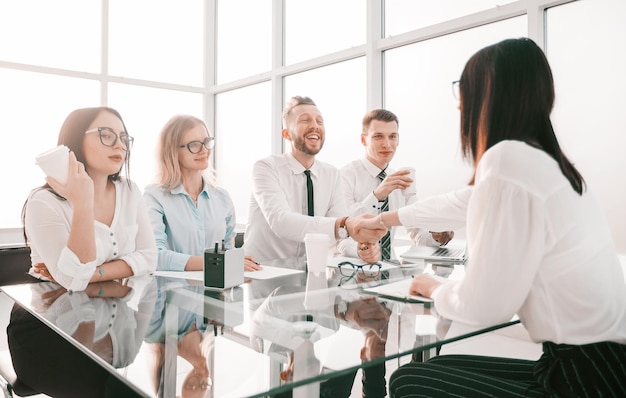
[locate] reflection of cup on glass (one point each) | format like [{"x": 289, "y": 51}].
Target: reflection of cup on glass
[
  {"x": 411, "y": 189},
  {"x": 316, "y": 251},
  {"x": 316, "y": 295},
  {"x": 54, "y": 163}
]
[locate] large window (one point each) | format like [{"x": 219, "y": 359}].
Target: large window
[
  {"x": 235, "y": 62},
  {"x": 243, "y": 134},
  {"x": 588, "y": 61},
  {"x": 418, "y": 88},
  {"x": 339, "y": 92}
]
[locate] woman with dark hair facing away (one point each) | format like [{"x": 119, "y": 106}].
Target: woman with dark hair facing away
[
  {"x": 94, "y": 227},
  {"x": 188, "y": 211},
  {"x": 538, "y": 243}
]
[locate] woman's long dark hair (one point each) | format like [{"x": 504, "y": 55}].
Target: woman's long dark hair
[
  {"x": 507, "y": 93},
  {"x": 72, "y": 135}
]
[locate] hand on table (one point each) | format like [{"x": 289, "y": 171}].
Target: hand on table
[
  {"x": 423, "y": 285},
  {"x": 250, "y": 265},
  {"x": 41, "y": 269}
]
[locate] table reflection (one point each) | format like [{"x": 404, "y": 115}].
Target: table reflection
[
  {"x": 299, "y": 330},
  {"x": 195, "y": 340},
  {"x": 99, "y": 319}
]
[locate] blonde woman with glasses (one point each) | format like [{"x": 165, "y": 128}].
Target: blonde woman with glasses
[{"x": 188, "y": 211}]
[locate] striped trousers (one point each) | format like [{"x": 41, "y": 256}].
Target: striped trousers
[{"x": 593, "y": 370}]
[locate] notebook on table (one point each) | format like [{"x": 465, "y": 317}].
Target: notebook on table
[{"x": 454, "y": 251}]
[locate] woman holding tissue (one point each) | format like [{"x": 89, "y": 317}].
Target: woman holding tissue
[
  {"x": 538, "y": 242},
  {"x": 188, "y": 212},
  {"x": 94, "y": 227}
]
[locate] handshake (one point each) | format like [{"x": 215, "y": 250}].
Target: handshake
[{"x": 365, "y": 228}]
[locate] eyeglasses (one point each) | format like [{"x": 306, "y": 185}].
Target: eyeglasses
[
  {"x": 456, "y": 89},
  {"x": 350, "y": 271},
  {"x": 196, "y": 146},
  {"x": 108, "y": 137}
]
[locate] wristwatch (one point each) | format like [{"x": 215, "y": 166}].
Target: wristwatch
[
  {"x": 342, "y": 308},
  {"x": 342, "y": 231}
]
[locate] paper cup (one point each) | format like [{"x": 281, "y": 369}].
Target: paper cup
[
  {"x": 411, "y": 189},
  {"x": 55, "y": 163},
  {"x": 316, "y": 251}
]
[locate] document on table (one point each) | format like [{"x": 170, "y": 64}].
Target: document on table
[
  {"x": 397, "y": 290},
  {"x": 190, "y": 275},
  {"x": 400, "y": 290},
  {"x": 268, "y": 272}
]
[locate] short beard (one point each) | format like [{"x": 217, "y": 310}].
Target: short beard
[{"x": 300, "y": 144}]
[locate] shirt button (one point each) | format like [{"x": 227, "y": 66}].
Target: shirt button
[
  {"x": 114, "y": 305},
  {"x": 114, "y": 243},
  {"x": 115, "y": 254},
  {"x": 111, "y": 234}
]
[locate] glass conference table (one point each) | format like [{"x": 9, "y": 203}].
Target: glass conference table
[{"x": 294, "y": 334}]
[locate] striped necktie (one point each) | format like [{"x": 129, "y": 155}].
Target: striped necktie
[
  {"x": 309, "y": 193},
  {"x": 385, "y": 241}
]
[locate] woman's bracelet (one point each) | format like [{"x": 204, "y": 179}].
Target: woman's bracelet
[{"x": 381, "y": 222}]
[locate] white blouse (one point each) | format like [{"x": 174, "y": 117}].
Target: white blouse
[
  {"x": 129, "y": 238},
  {"x": 539, "y": 250}
]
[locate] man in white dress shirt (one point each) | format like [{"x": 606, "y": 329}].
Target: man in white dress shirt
[
  {"x": 364, "y": 192},
  {"x": 279, "y": 214}
]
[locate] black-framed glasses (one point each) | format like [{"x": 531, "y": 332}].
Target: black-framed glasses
[
  {"x": 357, "y": 273},
  {"x": 108, "y": 137},
  {"x": 196, "y": 146},
  {"x": 456, "y": 89}
]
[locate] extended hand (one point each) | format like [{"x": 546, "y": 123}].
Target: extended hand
[{"x": 365, "y": 228}]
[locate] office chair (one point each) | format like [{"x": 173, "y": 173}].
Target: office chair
[
  {"x": 9, "y": 383},
  {"x": 14, "y": 266}
]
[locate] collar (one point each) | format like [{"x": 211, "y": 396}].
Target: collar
[
  {"x": 371, "y": 168},
  {"x": 297, "y": 167},
  {"x": 180, "y": 189}
]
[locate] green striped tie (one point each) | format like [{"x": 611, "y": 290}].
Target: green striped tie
[{"x": 385, "y": 241}]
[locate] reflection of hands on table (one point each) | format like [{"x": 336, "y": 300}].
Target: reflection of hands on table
[
  {"x": 442, "y": 237},
  {"x": 50, "y": 297},
  {"x": 368, "y": 313}
]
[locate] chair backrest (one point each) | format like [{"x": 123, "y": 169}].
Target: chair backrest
[{"x": 14, "y": 266}]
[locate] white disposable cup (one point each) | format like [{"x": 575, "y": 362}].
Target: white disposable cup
[
  {"x": 55, "y": 163},
  {"x": 316, "y": 251},
  {"x": 411, "y": 189}
]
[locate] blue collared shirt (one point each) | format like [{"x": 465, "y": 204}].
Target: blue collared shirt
[{"x": 182, "y": 229}]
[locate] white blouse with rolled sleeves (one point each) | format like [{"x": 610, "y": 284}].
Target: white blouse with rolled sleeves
[
  {"x": 129, "y": 238},
  {"x": 536, "y": 249}
]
